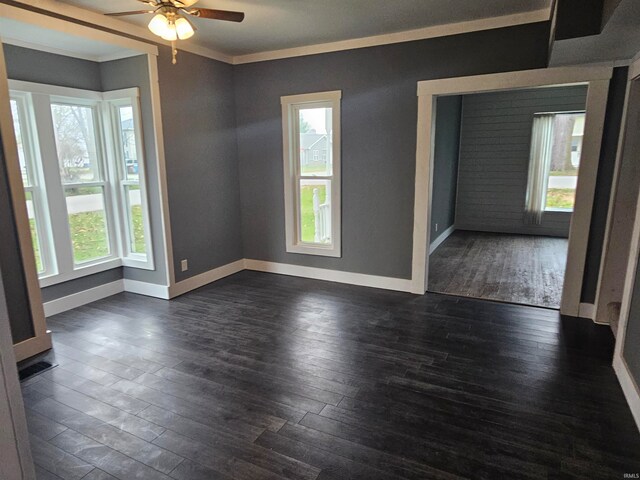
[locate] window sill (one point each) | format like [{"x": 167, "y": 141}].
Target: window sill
[
  {"x": 560, "y": 210},
  {"x": 332, "y": 251}
]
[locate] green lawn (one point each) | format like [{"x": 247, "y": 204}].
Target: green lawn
[
  {"x": 560, "y": 197},
  {"x": 36, "y": 246},
  {"x": 566, "y": 173},
  {"x": 306, "y": 210},
  {"x": 89, "y": 235}
]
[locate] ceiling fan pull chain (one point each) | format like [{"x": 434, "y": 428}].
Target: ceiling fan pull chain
[{"x": 174, "y": 52}]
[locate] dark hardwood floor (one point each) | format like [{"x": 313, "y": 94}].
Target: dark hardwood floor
[
  {"x": 525, "y": 269},
  {"x": 262, "y": 376}
]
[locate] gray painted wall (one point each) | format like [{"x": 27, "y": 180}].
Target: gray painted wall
[
  {"x": 70, "y": 287},
  {"x": 631, "y": 350},
  {"x": 198, "y": 116},
  {"x": 379, "y": 111},
  {"x": 494, "y": 158},
  {"x": 42, "y": 67},
  {"x": 613, "y": 120},
  {"x": 445, "y": 164},
  {"x": 128, "y": 73}
]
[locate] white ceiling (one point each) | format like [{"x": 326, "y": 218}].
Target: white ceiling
[
  {"x": 279, "y": 24},
  {"x": 620, "y": 40}
]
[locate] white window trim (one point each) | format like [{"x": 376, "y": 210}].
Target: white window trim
[
  {"x": 64, "y": 269},
  {"x": 290, "y": 166}
]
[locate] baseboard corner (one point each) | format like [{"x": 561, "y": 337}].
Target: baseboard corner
[
  {"x": 205, "y": 278},
  {"x": 441, "y": 238}
]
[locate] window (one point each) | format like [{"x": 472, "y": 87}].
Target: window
[
  {"x": 312, "y": 185},
  {"x": 568, "y": 130},
  {"x": 81, "y": 159},
  {"x": 34, "y": 193},
  {"x": 556, "y": 147}
]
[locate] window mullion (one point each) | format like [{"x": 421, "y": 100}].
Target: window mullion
[{"x": 56, "y": 203}]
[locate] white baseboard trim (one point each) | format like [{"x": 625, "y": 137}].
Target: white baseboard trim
[
  {"x": 629, "y": 387},
  {"x": 32, "y": 346},
  {"x": 145, "y": 288},
  {"x": 361, "y": 279},
  {"x": 587, "y": 310},
  {"x": 443, "y": 236},
  {"x": 75, "y": 300},
  {"x": 84, "y": 297},
  {"x": 205, "y": 278}
]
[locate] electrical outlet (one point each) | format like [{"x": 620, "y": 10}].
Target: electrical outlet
[
  {"x": 184, "y": 265},
  {"x": 436, "y": 227}
]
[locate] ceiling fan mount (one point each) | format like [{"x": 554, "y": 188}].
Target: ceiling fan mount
[{"x": 171, "y": 18}]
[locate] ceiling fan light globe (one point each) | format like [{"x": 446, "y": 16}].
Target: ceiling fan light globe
[
  {"x": 159, "y": 25},
  {"x": 170, "y": 34},
  {"x": 184, "y": 29}
]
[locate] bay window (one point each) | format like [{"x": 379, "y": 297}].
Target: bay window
[{"x": 83, "y": 172}]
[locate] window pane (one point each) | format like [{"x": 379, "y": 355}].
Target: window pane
[
  {"x": 315, "y": 127},
  {"x": 136, "y": 225},
  {"x": 87, "y": 223},
  {"x": 568, "y": 130},
  {"x": 35, "y": 236},
  {"x": 128, "y": 139},
  {"x": 76, "y": 143},
  {"x": 19, "y": 139},
  {"x": 315, "y": 211}
]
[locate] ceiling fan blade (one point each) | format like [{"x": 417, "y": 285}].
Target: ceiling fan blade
[
  {"x": 122, "y": 14},
  {"x": 218, "y": 14}
]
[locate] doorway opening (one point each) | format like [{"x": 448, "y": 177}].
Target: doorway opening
[
  {"x": 505, "y": 180},
  {"x": 506, "y": 170}
]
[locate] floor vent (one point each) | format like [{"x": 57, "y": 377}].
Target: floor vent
[{"x": 35, "y": 369}]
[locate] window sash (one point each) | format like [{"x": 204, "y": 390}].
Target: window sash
[
  {"x": 35, "y": 186},
  {"x": 127, "y": 232},
  {"x": 291, "y": 107}
]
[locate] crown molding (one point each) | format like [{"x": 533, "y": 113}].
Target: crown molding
[{"x": 542, "y": 15}]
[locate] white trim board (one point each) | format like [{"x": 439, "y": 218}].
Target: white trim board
[
  {"x": 205, "y": 278},
  {"x": 587, "y": 310},
  {"x": 32, "y": 346},
  {"x": 78, "y": 299},
  {"x": 361, "y": 279},
  {"x": 441, "y": 238},
  {"x": 629, "y": 387},
  {"x": 145, "y": 288}
]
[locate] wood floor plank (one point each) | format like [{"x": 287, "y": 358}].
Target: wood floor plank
[
  {"x": 523, "y": 269},
  {"x": 261, "y": 376}
]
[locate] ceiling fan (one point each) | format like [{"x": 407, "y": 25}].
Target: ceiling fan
[{"x": 171, "y": 21}]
